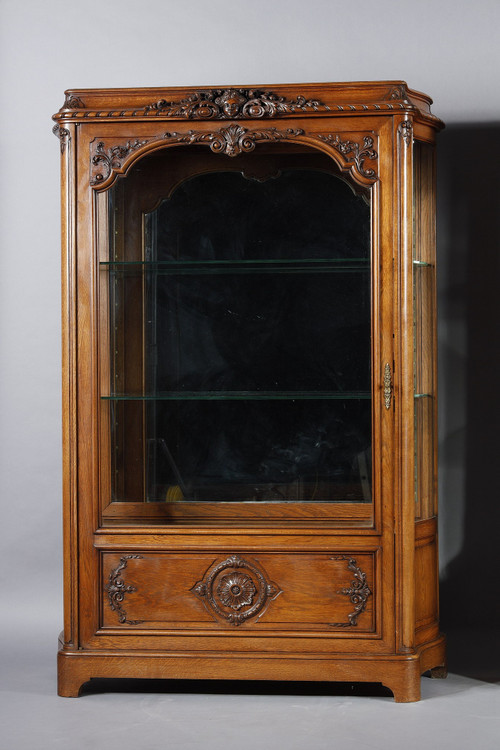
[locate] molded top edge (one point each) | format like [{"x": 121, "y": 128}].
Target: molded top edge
[{"x": 246, "y": 102}]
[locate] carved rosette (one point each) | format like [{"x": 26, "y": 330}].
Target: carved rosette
[
  {"x": 354, "y": 153},
  {"x": 232, "y": 104},
  {"x": 235, "y": 590},
  {"x": 358, "y": 593},
  {"x": 116, "y": 588}
]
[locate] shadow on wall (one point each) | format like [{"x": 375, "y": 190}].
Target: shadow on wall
[{"x": 469, "y": 388}]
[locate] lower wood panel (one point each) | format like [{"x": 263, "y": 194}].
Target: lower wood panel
[
  {"x": 426, "y": 581},
  {"x": 271, "y": 591}
]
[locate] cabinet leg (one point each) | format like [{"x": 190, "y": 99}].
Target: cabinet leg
[
  {"x": 439, "y": 673},
  {"x": 71, "y": 675}
]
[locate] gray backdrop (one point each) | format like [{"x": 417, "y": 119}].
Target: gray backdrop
[{"x": 449, "y": 50}]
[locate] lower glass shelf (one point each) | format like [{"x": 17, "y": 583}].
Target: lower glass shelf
[{"x": 243, "y": 396}]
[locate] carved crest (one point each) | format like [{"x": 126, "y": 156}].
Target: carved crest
[
  {"x": 235, "y": 590},
  {"x": 232, "y": 104},
  {"x": 234, "y": 139}
]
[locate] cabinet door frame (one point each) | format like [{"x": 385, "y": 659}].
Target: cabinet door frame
[{"x": 92, "y": 520}]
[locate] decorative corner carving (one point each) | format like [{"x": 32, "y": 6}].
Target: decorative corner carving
[
  {"x": 232, "y": 104},
  {"x": 235, "y": 590},
  {"x": 358, "y": 592},
  {"x": 72, "y": 102},
  {"x": 353, "y": 153},
  {"x": 401, "y": 94},
  {"x": 105, "y": 160},
  {"x": 63, "y": 134},
  {"x": 234, "y": 139},
  {"x": 406, "y": 130},
  {"x": 116, "y": 590}
]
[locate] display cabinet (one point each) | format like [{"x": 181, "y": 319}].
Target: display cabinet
[{"x": 249, "y": 384}]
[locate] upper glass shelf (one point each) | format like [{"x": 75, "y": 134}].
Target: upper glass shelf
[
  {"x": 309, "y": 265},
  {"x": 422, "y": 264},
  {"x": 242, "y": 396}
]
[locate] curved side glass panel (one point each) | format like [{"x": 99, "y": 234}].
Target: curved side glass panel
[
  {"x": 424, "y": 308},
  {"x": 239, "y": 338}
]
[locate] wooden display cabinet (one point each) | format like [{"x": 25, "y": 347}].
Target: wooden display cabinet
[{"x": 250, "y": 384}]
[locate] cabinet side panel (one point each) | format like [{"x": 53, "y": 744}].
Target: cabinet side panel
[{"x": 426, "y": 581}]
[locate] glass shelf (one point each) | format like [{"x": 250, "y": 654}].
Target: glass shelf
[
  {"x": 311, "y": 265},
  {"x": 422, "y": 395},
  {"x": 422, "y": 264},
  {"x": 242, "y": 396}
]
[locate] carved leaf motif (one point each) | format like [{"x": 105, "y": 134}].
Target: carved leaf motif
[
  {"x": 109, "y": 159},
  {"x": 353, "y": 152},
  {"x": 63, "y": 135},
  {"x": 234, "y": 139},
  {"x": 358, "y": 592},
  {"x": 406, "y": 130},
  {"x": 72, "y": 102},
  {"x": 116, "y": 588}
]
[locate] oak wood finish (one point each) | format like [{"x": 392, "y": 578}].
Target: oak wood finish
[{"x": 306, "y": 591}]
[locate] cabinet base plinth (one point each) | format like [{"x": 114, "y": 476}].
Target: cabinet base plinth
[{"x": 400, "y": 673}]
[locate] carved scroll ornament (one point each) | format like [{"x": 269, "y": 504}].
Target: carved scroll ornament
[
  {"x": 353, "y": 152},
  {"x": 63, "y": 134},
  {"x": 234, "y": 139},
  {"x": 232, "y": 104},
  {"x": 235, "y": 590},
  {"x": 231, "y": 141},
  {"x": 406, "y": 130},
  {"x": 108, "y": 159},
  {"x": 116, "y": 589},
  {"x": 358, "y": 593}
]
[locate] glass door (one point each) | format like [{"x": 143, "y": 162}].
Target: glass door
[{"x": 238, "y": 331}]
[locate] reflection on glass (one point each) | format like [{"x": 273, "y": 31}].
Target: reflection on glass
[{"x": 241, "y": 343}]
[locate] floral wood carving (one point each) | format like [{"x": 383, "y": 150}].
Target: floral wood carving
[
  {"x": 63, "y": 135},
  {"x": 231, "y": 141},
  {"x": 234, "y": 139},
  {"x": 116, "y": 589},
  {"x": 223, "y": 104},
  {"x": 353, "y": 152},
  {"x": 358, "y": 592},
  {"x": 72, "y": 102},
  {"x": 104, "y": 161},
  {"x": 235, "y": 590},
  {"x": 406, "y": 130},
  {"x": 401, "y": 93}
]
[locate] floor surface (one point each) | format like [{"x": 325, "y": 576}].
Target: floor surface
[{"x": 459, "y": 713}]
